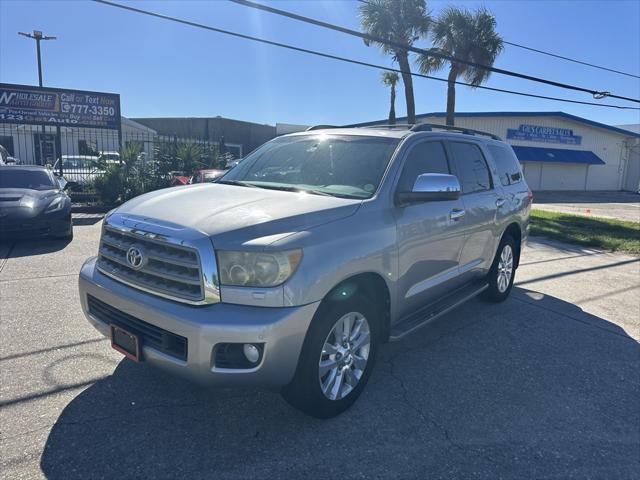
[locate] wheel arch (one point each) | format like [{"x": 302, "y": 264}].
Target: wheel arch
[
  {"x": 374, "y": 287},
  {"x": 515, "y": 231}
]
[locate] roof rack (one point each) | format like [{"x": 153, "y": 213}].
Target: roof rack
[
  {"x": 388, "y": 125},
  {"x": 428, "y": 127},
  {"x": 321, "y": 127}
]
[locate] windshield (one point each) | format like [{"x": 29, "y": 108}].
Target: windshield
[
  {"x": 70, "y": 163},
  {"x": 33, "y": 179},
  {"x": 340, "y": 165}
]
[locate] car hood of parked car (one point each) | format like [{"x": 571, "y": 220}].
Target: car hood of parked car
[
  {"x": 31, "y": 201},
  {"x": 235, "y": 215}
]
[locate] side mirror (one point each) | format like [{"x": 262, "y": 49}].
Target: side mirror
[
  {"x": 431, "y": 187},
  {"x": 70, "y": 186}
]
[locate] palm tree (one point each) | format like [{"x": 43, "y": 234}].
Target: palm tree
[
  {"x": 390, "y": 79},
  {"x": 467, "y": 36},
  {"x": 398, "y": 21}
]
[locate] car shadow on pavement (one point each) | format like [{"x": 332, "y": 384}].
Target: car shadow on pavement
[
  {"x": 16, "y": 248},
  {"x": 532, "y": 387},
  {"x": 86, "y": 220}
]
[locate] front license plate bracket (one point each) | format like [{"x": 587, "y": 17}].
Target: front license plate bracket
[{"x": 125, "y": 342}]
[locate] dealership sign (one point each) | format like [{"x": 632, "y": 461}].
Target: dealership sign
[
  {"x": 55, "y": 106},
  {"x": 537, "y": 133}
]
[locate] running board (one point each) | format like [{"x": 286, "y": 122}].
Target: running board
[{"x": 428, "y": 314}]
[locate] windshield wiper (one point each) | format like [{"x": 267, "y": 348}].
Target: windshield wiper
[
  {"x": 285, "y": 188},
  {"x": 237, "y": 182}
]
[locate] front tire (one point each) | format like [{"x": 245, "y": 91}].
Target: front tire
[
  {"x": 68, "y": 235},
  {"x": 502, "y": 272},
  {"x": 337, "y": 358}
]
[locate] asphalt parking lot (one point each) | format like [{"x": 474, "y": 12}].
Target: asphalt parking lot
[
  {"x": 544, "y": 385},
  {"x": 617, "y": 205}
]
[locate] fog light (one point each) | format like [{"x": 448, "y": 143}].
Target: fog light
[{"x": 251, "y": 352}]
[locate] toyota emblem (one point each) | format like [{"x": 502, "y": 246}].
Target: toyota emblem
[{"x": 135, "y": 257}]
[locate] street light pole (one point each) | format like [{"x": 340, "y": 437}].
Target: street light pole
[{"x": 38, "y": 37}]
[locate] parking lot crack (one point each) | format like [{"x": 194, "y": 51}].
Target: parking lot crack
[{"x": 425, "y": 418}]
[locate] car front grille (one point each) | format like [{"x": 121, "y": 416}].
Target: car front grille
[
  {"x": 154, "y": 337},
  {"x": 169, "y": 270}
]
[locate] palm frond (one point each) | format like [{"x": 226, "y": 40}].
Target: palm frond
[{"x": 389, "y": 79}]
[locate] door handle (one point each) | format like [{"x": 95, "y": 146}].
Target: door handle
[
  {"x": 500, "y": 202},
  {"x": 457, "y": 214}
]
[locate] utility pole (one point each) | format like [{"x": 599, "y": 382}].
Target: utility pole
[{"x": 38, "y": 37}]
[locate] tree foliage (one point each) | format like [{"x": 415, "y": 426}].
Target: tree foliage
[
  {"x": 465, "y": 35},
  {"x": 401, "y": 22}
]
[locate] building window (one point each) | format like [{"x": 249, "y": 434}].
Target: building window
[
  {"x": 7, "y": 142},
  {"x": 88, "y": 147}
]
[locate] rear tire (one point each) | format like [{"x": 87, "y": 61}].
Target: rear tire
[
  {"x": 502, "y": 272},
  {"x": 332, "y": 372}
]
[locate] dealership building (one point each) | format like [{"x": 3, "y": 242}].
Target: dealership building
[{"x": 559, "y": 151}]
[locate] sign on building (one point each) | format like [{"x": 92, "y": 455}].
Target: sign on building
[
  {"x": 58, "y": 107},
  {"x": 537, "y": 133}
]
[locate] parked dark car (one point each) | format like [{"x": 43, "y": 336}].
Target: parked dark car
[{"x": 33, "y": 203}]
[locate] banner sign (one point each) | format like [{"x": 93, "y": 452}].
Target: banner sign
[
  {"x": 537, "y": 133},
  {"x": 54, "y": 106}
]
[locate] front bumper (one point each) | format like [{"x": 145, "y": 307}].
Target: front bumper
[
  {"x": 42, "y": 225},
  {"x": 281, "y": 330}
]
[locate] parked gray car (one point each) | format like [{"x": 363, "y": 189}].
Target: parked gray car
[{"x": 319, "y": 246}]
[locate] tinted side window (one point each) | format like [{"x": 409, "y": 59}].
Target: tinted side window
[
  {"x": 472, "y": 168},
  {"x": 507, "y": 165},
  {"x": 428, "y": 157}
]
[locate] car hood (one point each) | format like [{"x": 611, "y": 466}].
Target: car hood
[
  {"x": 26, "y": 198},
  {"x": 234, "y": 215}
]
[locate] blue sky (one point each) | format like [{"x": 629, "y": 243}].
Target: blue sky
[{"x": 165, "y": 69}]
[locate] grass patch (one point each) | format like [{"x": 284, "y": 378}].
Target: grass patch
[{"x": 608, "y": 234}]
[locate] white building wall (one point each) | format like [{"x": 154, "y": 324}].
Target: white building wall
[{"x": 605, "y": 144}]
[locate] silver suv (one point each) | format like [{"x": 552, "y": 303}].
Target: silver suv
[{"x": 318, "y": 247}]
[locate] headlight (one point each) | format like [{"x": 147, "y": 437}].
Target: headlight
[
  {"x": 55, "y": 205},
  {"x": 257, "y": 269}
]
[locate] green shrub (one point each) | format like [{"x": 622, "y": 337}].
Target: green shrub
[
  {"x": 109, "y": 186},
  {"x": 136, "y": 174},
  {"x": 132, "y": 177}
]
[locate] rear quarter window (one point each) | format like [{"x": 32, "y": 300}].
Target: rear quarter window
[{"x": 507, "y": 164}]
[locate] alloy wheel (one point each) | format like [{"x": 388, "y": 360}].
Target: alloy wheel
[
  {"x": 505, "y": 268},
  {"x": 344, "y": 356}
]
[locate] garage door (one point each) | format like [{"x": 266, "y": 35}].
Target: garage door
[
  {"x": 632, "y": 178},
  {"x": 531, "y": 172},
  {"x": 563, "y": 177}
]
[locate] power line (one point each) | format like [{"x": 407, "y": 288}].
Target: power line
[
  {"x": 544, "y": 52},
  {"x": 343, "y": 59},
  {"x": 433, "y": 53},
  {"x": 570, "y": 59}
]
